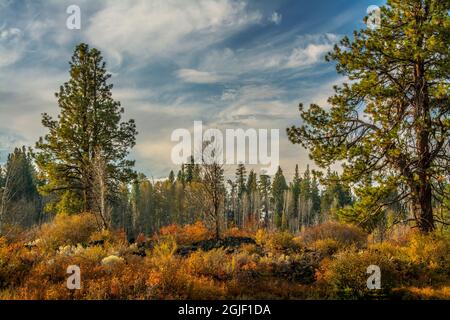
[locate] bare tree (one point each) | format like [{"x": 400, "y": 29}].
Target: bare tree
[
  {"x": 100, "y": 189},
  {"x": 213, "y": 182}
]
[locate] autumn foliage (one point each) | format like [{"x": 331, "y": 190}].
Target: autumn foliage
[{"x": 325, "y": 262}]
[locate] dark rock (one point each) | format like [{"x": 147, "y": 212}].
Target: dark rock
[
  {"x": 230, "y": 244},
  {"x": 100, "y": 242}
]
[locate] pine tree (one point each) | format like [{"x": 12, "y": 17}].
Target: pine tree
[
  {"x": 295, "y": 187},
  {"x": 190, "y": 167},
  {"x": 181, "y": 175},
  {"x": 251, "y": 188},
  {"x": 392, "y": 122},
  {"x": 19, "y": 200},
  {"x": 315, "y": 200},
  {"x": 171, "y": 177},
  {"x": 89, "y": 122},
  {"x": 240, "y": 186},
  {"x": 279, "y": 186}
]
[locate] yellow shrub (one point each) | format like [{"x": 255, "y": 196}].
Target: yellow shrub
[
  {"x": 431, "y": 250},
  {"x": 346, "y": 275},
  {"x": 276, "y": 241},
  {"x": 326, "y": 247},
  {"x": 66, "y": 230}
]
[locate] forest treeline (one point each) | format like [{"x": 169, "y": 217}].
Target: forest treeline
[{"x": 143, "y": 206}]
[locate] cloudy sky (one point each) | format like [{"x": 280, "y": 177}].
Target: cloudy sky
[{"x": 229, "y": 63}]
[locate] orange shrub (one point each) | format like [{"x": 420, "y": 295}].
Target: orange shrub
[
  {"x": 237, "y": 232},
  {"x": 187, "y": 234}
]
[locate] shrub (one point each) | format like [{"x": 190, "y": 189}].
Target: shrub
[
  {"x": 68, "y": 230},
  {"x": 237, "y": 233},
  {"x": 187, "y": 234},
  {"x": 16, "y": 261},
  {"x": 343, "y": 233},
  {"x": 346, "y": 274},
  {"x": 276, "y": 241},
  {"x": 431, "y": 254},
  {"x": 214, "y": 263},
  {"x": 326, "y": 247}
]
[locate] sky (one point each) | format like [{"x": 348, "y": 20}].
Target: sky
[{"x": 228, "y": 63}]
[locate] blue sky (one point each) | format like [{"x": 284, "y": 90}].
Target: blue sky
[{"x": 230, "y": 63}]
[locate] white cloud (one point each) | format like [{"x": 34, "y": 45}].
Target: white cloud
[
  {"x": 300, "y": 52},
  {"x": 147, "y": 29},
  {"x": 312, "y": 54},
  {"x": 195, "y": 76},
  {"x": 276, "y": 18},
  {"x": 11, "y": 46}
]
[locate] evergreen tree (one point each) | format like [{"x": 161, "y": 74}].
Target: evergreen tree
[
  {"x": 190, "y": 167},
  {"x": 171, "y": 177},
  {"x": 181, "y": 175},
  {"x": 315, "y": 200},
  {"x": 89, "y": 122},
  {"x": 19, "y": 200},
  {"x": 279, "y": 186},
  {"x": 251, "y": 188},
  {"x": 295, "y": 187},
  {"x": 392, "y": 122},
  {"x": 240, "y": 186}
]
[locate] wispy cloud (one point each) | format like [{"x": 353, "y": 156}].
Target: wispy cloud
[
  {"x": 195, "y": 76},
  {"x": 11, "y": 46},
  {"x": 147, "y": 29}
]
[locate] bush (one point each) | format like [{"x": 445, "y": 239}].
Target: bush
[
  {"x": 276, "y": 241},
  {"x": 431, "y": 254},
  {"x": 345, "y": 234},
  {"x": 16, "y": 261},
  {"x": 326, "y": 247},
  {"x": 346, "y": 275},
  {"x": 213, "y": 263},
  {"x": 68, "y": 230},
  {"x": 186, "y": 235}
]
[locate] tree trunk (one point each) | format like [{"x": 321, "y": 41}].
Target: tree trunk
[
  {"x": 423, "y": 192},
  {"x": 424, "y": 209}
]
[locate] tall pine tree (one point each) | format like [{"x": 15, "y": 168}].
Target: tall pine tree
[
  {"x": 89, "y": 123},
  {"x": 392, "y": 121}
]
